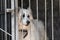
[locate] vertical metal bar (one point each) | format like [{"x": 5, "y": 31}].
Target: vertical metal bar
[
  {"x": 29, "y": 4},
  {"x": 52, "y": 20},
  {"x": 29, "y": 9},
  {"x": 22, "y": 4},
  {"x": 37, "y": 12},
  {"x": 12, "y": 20},
  {"x": 45, "y": 18},
  {"x": 15, "y": 25},
  {"x": 37, "y": 8},
  {"x": 5, "y": 21},
  {"x": 16, "y": 7},
  {"x": 1, "y": 19},
  {"x": 2, "y": 26},
  {"x": 22, "y": 13}
]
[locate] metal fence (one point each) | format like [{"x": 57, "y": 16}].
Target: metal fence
[{"x": 8, "y": 28}]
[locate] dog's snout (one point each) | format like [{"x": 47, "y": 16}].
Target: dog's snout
[{"x": 28, "y": 22}]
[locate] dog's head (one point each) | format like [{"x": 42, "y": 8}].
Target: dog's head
[{"x": 25, "y": 17}]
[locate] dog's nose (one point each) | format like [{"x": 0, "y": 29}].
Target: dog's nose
[{"x": 28, "y": 22}]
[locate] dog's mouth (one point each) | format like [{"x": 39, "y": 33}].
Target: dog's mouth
[
  {"x": 25, "y": 32},
  {"x": 26, "y": 24}
]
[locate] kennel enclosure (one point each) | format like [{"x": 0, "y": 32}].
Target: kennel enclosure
[{"x": 8, "y": 13}]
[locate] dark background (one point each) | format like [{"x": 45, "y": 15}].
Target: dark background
[{"x": 2, "y": 19}]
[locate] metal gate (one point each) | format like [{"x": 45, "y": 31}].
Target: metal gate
[
  {"x": 7, "y": 26},
  {"x": 8, "y": 11}
]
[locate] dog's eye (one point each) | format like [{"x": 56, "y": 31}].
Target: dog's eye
[
  {"x": 23, "y": 15},
  {"x": 28, "y": 16}
]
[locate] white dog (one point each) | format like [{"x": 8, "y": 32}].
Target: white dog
[{"x": 30, "y": 29}]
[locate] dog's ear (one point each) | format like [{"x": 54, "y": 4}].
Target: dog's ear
[
  {"x": 31, "y": 17},
  {"x": 30, "y": 11},
  {"x": 19, "y": 9},
  {"x": 19, "y": 14}
]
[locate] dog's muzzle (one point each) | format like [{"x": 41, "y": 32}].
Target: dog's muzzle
[
  {"x": 28, "y": 22},
  {"x": 25, "y": 32}
]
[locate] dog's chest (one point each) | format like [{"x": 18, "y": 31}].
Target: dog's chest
[{"x": 32, "y": 35}]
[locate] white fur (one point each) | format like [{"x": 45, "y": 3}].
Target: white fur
[
  {"x": 26, "y": 12},
  {"x": 35, "y": 28}
]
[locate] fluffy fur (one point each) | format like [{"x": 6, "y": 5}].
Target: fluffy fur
[{"x": 35, "y": 28}]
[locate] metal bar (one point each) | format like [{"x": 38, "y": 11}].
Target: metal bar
[
  {"x": 12, "y": 20},
  {"x": 16, "y": 11},
  {"x": 29, "y": 9},
  {"x": 5, "y": 21},
  {"x": 52, "y": 20},
  {"x": 15, "y": 20},
  {"x": 9, "y": 10},
  {"x": 5, "y": 32},
  {"x": 37, "y": 12},
  {"x": 22, "y": 13},
  {"x": 15, "y": 25},
  {"x": 29, "y": 4},
  {"x": 22, "y": 4},
  {"x": 2, "y": 26},
  {"x": 37, "y": 8},
  {"x": 45, "y": 19}
]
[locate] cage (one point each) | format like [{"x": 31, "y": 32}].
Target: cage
[{"x": 45, "y": 10}]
